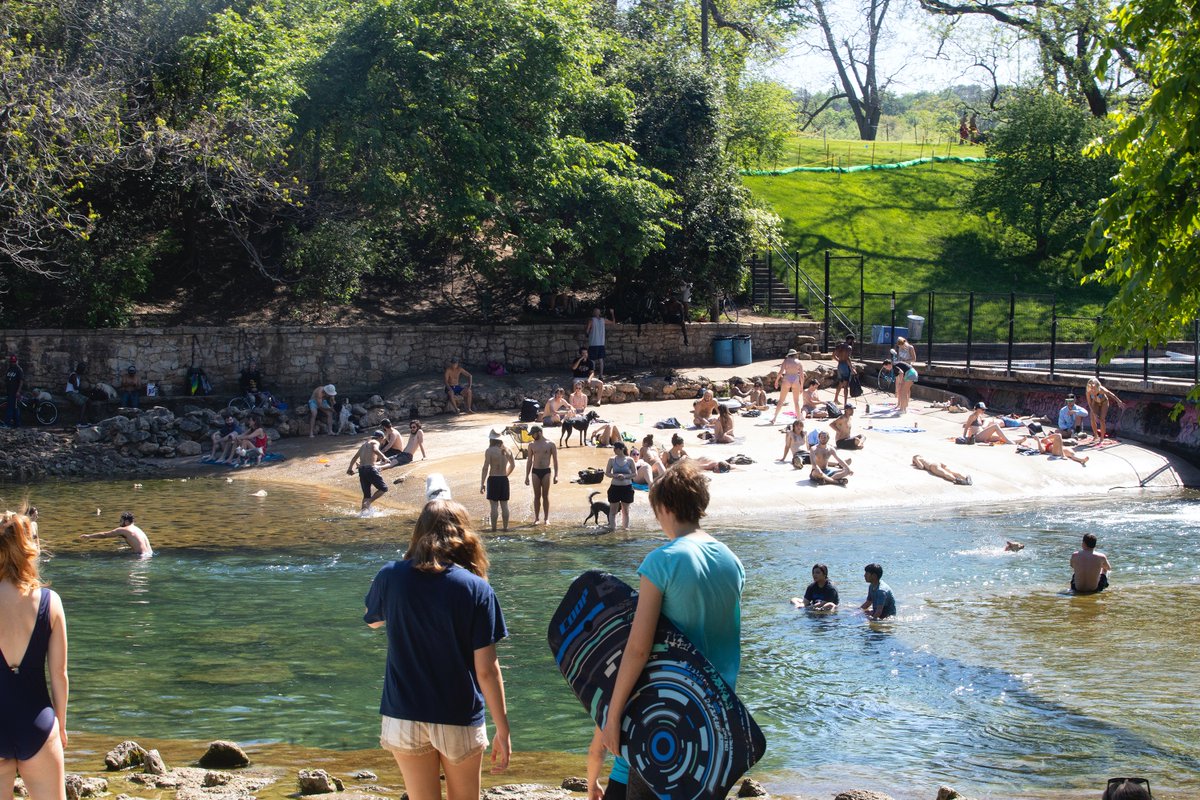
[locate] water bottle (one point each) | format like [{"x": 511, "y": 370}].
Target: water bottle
[{"x": 641, "y": 418}]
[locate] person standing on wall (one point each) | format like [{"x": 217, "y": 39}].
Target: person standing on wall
[
  {"x": 14, "y": 377},
  {"x": 596, "y": 330}
]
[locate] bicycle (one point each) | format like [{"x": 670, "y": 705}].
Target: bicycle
[
  {"x": 886, "y": 380},
  {"x": 44, "y": 411},
  {"x": 727, "y": 307}
]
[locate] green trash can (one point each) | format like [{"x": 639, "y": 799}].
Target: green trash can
[
  {"x": 723, "y": 351},
  {"x": 742, "y": 350}
]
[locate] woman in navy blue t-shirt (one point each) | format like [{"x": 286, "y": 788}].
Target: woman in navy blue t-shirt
[{"x": 443, "y": 622}]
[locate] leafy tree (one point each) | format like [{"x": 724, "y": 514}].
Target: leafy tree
[
  {"x": 1042, "y": 186},
  {"x": 1147, "y": 228},
  {"x": 761, "y": 116}
]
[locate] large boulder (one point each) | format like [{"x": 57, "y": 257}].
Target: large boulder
[
  {"x": 88, "y": 435},
  {"x": 223, "y": 754},
  {"x": 188, "y": 448},
  {"x": 153, "y": 763}
]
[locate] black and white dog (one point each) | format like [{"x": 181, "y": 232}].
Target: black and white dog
[{"x": 576, "y": 424}]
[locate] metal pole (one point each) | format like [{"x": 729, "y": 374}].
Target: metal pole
[
  {"x": 1146, "y": 363},
  {"x": 929, "y": 332},
  {"x": 892, "y": 340},
  {"x": 1196, "y": 350},
  {"x": 1053, "y": 335},
  {"x": 796, "y": 287},
  {"x": 825, "y": 349},
  {"x": 1012, "y": 317},
  {"x": 970, "y": 326},
  {"x": 770, "y": 280},
  {"x": 1098, "y": 349},
  {"x": 861, "y": 321}
]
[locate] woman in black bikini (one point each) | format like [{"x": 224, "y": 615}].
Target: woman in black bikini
[
  {"x": 33, "y": 636},
  {"x": 620, "y": 468}
]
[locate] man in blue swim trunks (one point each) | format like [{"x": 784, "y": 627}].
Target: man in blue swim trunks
[
  {"x": 880, "y": 602},
  {"x": 452, "y": 379}
]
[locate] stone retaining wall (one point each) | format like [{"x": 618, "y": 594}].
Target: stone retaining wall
[{"x": 294, "y": 359}]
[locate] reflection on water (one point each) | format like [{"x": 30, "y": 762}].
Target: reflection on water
[{"x": 247, "y": 625}]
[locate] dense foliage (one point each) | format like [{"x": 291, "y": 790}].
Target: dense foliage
[
  {"x": 1042, "y": 189},
  {"x": 492, "y": 148},
  {"x": 1147, "y": 228}
]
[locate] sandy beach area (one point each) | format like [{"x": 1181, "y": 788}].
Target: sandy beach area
[{"x": 765, "y": 492}]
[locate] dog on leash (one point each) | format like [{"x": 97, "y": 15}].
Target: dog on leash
[
  {"x": 599, "y": 509},
  {"x": 576, "y": 424}
]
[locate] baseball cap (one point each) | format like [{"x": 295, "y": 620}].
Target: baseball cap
[{"x": 377, "y": 434}]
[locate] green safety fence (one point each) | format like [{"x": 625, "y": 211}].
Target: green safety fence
[{"x": 867, "y": 167}]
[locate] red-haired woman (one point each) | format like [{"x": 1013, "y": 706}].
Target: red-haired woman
[
  {"x": 33, "y": 634},
  {"x": 443, "y": 622}
]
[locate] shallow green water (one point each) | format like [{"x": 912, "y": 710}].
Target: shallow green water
[{"x": 247, "y": 625}]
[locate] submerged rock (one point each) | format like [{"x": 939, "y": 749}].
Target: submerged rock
[
  {"x": 948, "y": 793},
  {"x": 524, "y": 791},
  {"x": 575, "y": 784},
  {"x": 862, "y": 794},
  {"x": 78, "y": 787},
  {"x": 223, "y": 754},
  {"x": 318, "y": 781},
  {"x": 125, "y": 755},
  {"x": 364, "y": 775}
]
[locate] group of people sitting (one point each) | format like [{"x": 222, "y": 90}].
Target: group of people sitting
[{"x": 239, "y": 445}]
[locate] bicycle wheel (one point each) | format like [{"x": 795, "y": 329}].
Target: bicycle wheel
[
  {"x": 729, "y": 309},
  {"x": 886, "y": 380},
  {"x": 239, "y": 403},
  {"x": 46, "y": 413}
]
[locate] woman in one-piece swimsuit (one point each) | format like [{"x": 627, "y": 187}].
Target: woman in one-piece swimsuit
[{"x": 33, "y": 725}]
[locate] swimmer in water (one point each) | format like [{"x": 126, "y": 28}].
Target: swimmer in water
[{"x": 134, "y": 536}]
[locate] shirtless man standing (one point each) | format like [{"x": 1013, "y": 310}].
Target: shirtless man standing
[
  {"x": 542, "y": 454},
  {"x": 841, "y": 427},
  {"x": 1089, "y": 568},
  {"x": 498, "y": 464},
  {"x": 842, "y": 354},
  {"x": 134, "y": 536},
  {"x": 821, "y": 472},
  {"x": 452, "y": 380},
  {"x": 370, "y": 460}
]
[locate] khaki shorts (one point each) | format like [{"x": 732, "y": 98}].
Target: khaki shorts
[{"x": 456, "y": 743}]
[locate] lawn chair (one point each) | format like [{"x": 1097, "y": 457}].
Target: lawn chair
[{"x": 521, "y": 438}]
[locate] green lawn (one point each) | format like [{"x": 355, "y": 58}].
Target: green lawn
[{"x": 911, "y": 229}]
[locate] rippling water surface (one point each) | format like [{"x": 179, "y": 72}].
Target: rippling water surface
[{"x": 247, "y": 625}]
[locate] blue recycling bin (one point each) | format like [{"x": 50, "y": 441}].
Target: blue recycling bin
[
  {"x": 742, "y": 350},
  {"x": 723, "y": 351}
]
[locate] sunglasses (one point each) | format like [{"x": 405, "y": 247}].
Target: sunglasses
[{"x": 1122, "y": 781}]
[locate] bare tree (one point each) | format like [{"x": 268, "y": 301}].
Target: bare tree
[
  {"x": 1070, "y": 37},
  {"x": 856, "y": 61}
]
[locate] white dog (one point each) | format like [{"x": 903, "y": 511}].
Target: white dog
[
  {"x": 436, "y": 487},
  {"x": 344, "y": 423}
]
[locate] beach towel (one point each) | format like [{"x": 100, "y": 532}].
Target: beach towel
[
  {"x": 898, "y": 429},
  {"x": 641, "y": 487},
  {"x": 669, "y": 422}
]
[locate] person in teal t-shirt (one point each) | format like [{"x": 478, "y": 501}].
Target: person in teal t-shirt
[{"x": 693, "y": 579}]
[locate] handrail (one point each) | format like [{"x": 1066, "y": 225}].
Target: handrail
[{"x": 811, "y": 286}]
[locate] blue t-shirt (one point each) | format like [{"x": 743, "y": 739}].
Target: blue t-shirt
[
  {"x": 435, "y": 623},
  {"x": 881, "y": 597},
  {"x": 620, "y": 771},
  {"x": 818, "y": 594},
  {"x": 701, "y": 582},
  {"x": 1065, "y": 420}
]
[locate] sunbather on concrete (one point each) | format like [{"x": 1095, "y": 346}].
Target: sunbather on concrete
[
  {"x": 1052, "y": 443},
  {"x": 942, "y": 471}
]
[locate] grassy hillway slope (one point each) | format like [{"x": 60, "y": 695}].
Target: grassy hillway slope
[{"x": 912, "y": 229}]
